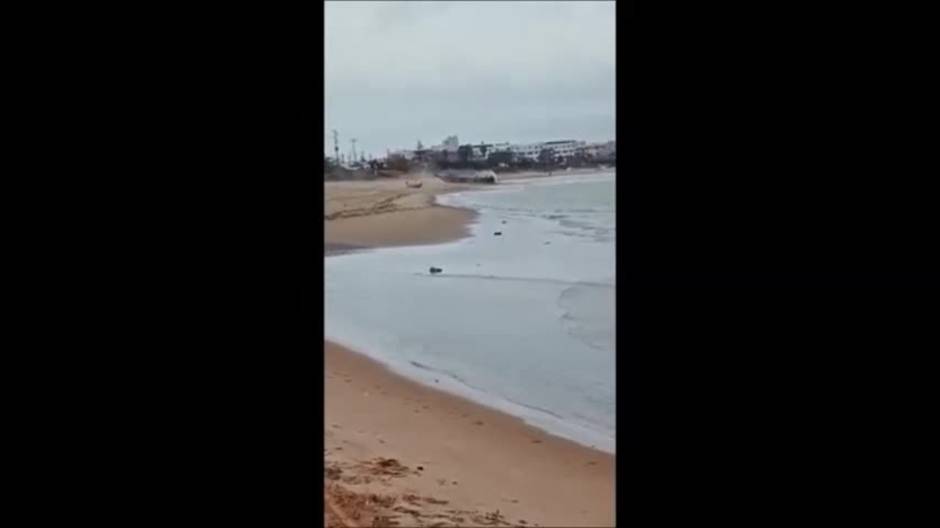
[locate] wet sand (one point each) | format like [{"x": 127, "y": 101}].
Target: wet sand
[
  {"x": 431, "y": 457},
  {"x": 399, "y": 453}
]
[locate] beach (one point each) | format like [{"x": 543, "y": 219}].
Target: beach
[
  {"x": 398, "y": 452},
  {"x": 379, "y": 213}
]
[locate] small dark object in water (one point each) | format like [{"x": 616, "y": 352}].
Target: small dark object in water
[
  {"x": 497, "y": 233},
  {"x": 435, "y": 270},
  {"x": 547, "y": 242},
  {"x": 504, "y": 221}
]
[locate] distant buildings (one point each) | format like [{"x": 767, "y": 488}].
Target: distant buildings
[
  {"x": 566, "y": 150},
  {"x": 530, "y": 151},
  {"x": 407, "y": 155},
  {"x": 607, "y": 150},
  {"x": 446, "y": 151}
]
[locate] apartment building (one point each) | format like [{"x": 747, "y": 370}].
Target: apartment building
[
  {"x": 565, "y": 148},
  {"x": 530, "y": 151}
]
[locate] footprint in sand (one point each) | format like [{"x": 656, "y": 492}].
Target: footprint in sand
[{"x": 478, "y": 422}]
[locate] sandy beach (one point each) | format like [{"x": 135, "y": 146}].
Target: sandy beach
[
  {"x": 399, "y": 453},
  {"x": 362, "y": 214}
]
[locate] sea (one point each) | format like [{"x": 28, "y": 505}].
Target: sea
[{"x": 522, "y": 321}]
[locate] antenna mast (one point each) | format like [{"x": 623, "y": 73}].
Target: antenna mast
[{"x": 336, "y": 145}]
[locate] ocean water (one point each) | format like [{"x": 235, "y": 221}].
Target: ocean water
[{"x": 522, "y": 322}]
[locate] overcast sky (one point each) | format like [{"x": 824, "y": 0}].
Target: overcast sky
[{"x": 397, "y": 72}]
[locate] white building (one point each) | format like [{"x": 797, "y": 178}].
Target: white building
[
  {"x": 564, "y": 148},
  {"x": 484, "y": 150},
  {"x": 530, "y": 150},
  {"x": 599, "y": 150}
]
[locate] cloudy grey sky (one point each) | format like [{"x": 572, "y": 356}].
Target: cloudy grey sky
[{"x": 397, "y": 72}]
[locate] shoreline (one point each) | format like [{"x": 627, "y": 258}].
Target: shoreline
[
  {"x": 363, "y": 215},
  {"x": 493, "y": 467},
  {"x": 529, "y": 174},
  {"x": 461, "y": 462},
  {"x": 433, "y": 224}
]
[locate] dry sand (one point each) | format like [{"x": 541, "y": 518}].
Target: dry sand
[
  {"x": 399, "y": 453},
  {"x": 389, "y": 213}
]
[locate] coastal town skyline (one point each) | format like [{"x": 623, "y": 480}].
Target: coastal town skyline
[
  {"x": 346, "y": 152},
  {"x": 519, "y": 72}
]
